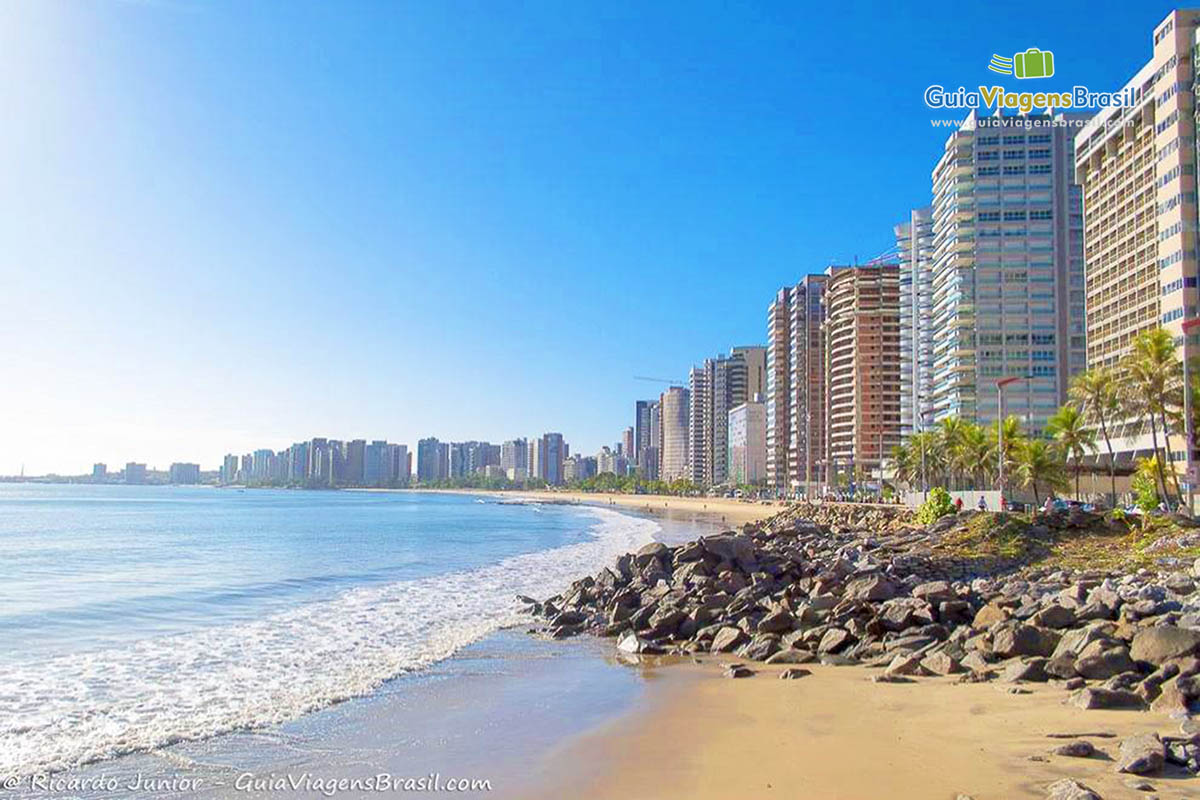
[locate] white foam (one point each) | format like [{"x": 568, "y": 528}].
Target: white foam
[{"x": 70, "y": 710}]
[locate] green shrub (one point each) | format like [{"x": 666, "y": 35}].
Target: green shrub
[{"x": 937, "y": 505}]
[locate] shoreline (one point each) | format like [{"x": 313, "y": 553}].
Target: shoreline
[{"x": 729, "y": 511}]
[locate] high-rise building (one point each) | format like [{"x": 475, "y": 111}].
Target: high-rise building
[
  {"x": 99, "y": 472},
  {"x": 1137, "y": 169},
  {"x": 862, "y": 357},
  {"x": 537, "y": 458},
  {"x": 514, "y": 458},
  {"x": 377, "y": 464},
  {"x": 674, "y": 414},
  {"x": 355, "y": 465},
  {"x": 795, "y": 388},
  {"x": 914, "y": 246},
  {"x": 553, "y": 452},
  {"x": 229, "y": 469},
  {"x": 641, "y": 428},
  {"x": 433, "y": 460},
  {"x": 401, "y": 464},
  {"x": 755, "y": 359},
  {"x": 184, "y": 473},
  {"x": 699, "y": 426},
  {"x": 748, "y": 443},
  {"x": 716, "y": 387},
  {"x": 1007, "y": 271},
  {"x": 627, "y": 445},
  {"x": 135, "y": 473}
]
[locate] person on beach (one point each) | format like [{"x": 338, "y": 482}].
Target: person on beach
[
  {"x": 982, "y": 504},
  {"x": 958, "y": 504}
]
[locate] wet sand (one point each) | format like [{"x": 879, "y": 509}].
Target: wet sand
[
  {"x": 834, "y": 735},
  {"x": 682, "y": 509}
]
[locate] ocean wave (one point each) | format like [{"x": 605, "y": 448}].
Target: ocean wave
[{"x": 70, "y": 710}]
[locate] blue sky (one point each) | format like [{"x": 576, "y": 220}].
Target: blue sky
[{"x": 228, "y": 225}]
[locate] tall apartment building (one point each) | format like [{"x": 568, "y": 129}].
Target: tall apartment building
[
  {"x": 862, "y": 356},
  {"x": 674, "y": 408},
  {"x": 355, "y": 454},
  {"x": 433, "y": 460},
  {"x": 1006, "y": 280},
  {"x": 182, "y": 473},
  {"x": 514, "y": 459},
  {"x": 554, "y": 451},
  {"x": 755, "y": 358},
  {"x": 716, "y": 387},
  {"x": 795, "y": 387},
  {"x": 1137, "y": 167},
  {"x": 914, "y": 240},
  {"x": 699, "y": 426},
  {"x": 748, "y": 443}
]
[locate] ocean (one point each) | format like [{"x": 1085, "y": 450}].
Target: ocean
[{"x": 141, "y": 618}]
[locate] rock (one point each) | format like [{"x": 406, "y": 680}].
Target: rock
[
  {"x": 941, "y": 664},
  {"x": 650, "y": 553},
  {"x": 1054, "y": 616},
  {"x": 989, "y": 615},
  {"x": 1096, "y": 697},
  {"x": 1023, "y": 640},
  {"x": 904, "y": 664},
  {"x": 792, "y": 655},
  {"x": 1139, "y": 785},
  {"x": 1161, "y": 644},
  {"x": 665, "y": 621},
  {"x": 732, "y": 547},
  {"x": 792, "y": 673},
  {"x": 1077, "y": 749},
  {"x": 633, "y": 644},
  {"x": 835, "y": 639},
  {"x": 779, "y": 621},
  {"x": 738, "y": 671},
  {"x": 1062, "y": 666},
  {"x": 1171, "y": 699},
  {"x": 1029, "y": 669},
  {"x": 1067, "y": 789},
  {"x": 934, "y": 592},
  {"x": 1106, "y": 664},
  {"x": 761, "y": 647},
  {"x": 975, "y": 662},
  {"x": 728, "y": 639},
  {"x": 873, "y": 588},
  {"x": 1141, "y": 754}
]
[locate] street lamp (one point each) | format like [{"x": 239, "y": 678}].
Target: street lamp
[{"x": 1000, "y": 384}]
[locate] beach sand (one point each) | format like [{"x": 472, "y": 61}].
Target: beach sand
[
  {"x": 681, "y": 509},
  {"x": 834, "y": 735}
]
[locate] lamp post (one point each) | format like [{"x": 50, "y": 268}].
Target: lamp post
[
  {"x": 1000, "y": 384},
  {"x": 1188, "y": 432}
]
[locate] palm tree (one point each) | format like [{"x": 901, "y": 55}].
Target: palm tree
[
  {"x": 1075, "y": 440},
  {"x": 1008, "y": 437},
  {"x": 950, "y": 430},
  {"x": 978, "y": 454},
  {"x": 1154, "y": 374},
  {"x": 1039, "y": 463},
  {"x": 1097, "y": 392}
]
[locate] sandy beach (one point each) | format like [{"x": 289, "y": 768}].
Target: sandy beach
[
  {"x": 683, "y": 509},
  {"x": 835, "y": 735}
]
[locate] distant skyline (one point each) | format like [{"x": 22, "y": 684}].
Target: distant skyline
[{"x": 231, "y": 226}]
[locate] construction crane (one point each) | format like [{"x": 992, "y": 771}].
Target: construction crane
[{"x": 667, "y": 381}]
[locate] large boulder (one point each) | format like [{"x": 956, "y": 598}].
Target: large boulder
[
  {"x": 728, "y": 639},
  {"x": 835, "y": 639},
  {"x": 1157, "y": 645},
  {"x": 1141, "y": 754},
  {"x": 1105, "y": 664},
  {"x": 1023, "y": 640},
  {"x": 732, "y": 547}
]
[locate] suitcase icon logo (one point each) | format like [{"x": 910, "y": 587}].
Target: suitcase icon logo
[{"x": 1033, "y": 63}]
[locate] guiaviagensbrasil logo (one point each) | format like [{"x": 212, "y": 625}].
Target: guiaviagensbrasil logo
[
  {"x": 1033, "y": 63},
  {"x": 1030, "y": 63}
]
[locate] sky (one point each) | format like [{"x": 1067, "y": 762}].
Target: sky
[{"x": 234, "y": 225}]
